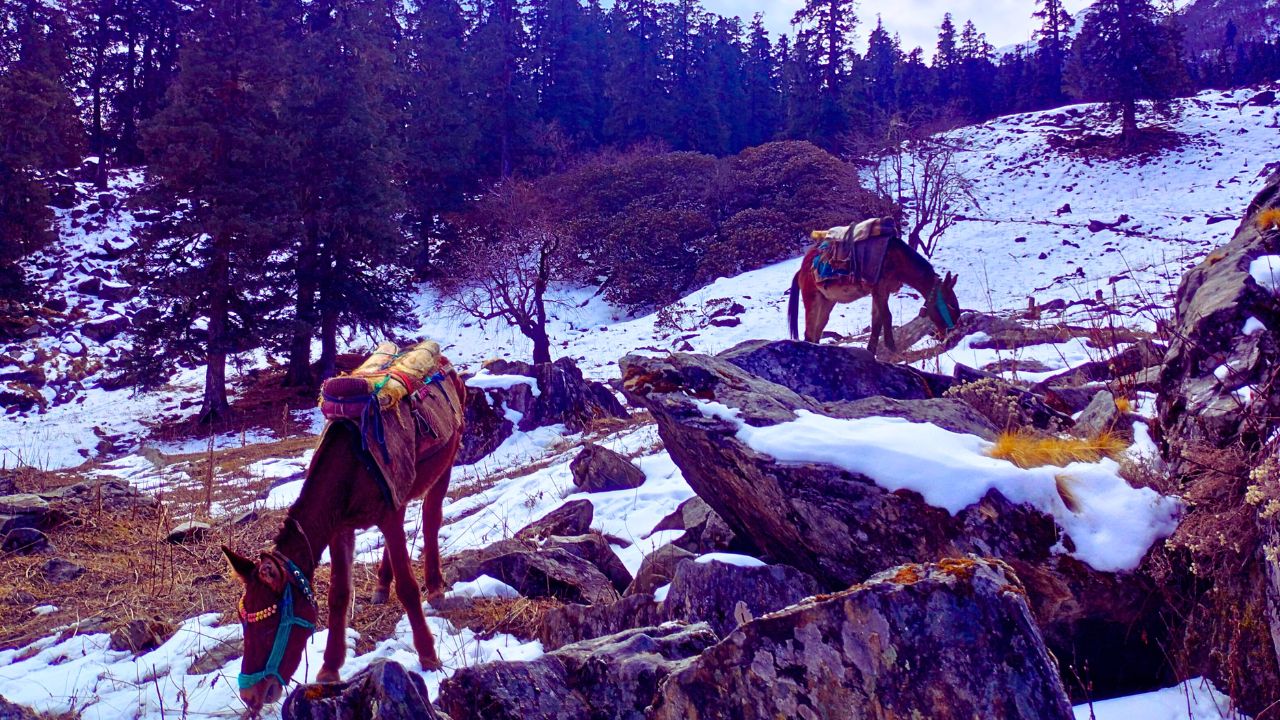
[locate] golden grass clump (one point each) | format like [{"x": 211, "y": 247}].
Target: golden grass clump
[
  {"x": 1027, "y": 450},
  {"x": 1268, "y": 219}
]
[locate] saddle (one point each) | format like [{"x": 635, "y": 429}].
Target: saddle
[
  {"x": 854, "y": 252},
  {"x": 407, "y": 406}
]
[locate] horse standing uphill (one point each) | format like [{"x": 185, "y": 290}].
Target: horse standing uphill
[
  {"x": 395, "y": 426},
  {"x": 869, "y": 259}
]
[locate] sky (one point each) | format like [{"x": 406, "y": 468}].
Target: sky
[{"x": 1005, "y": 22}]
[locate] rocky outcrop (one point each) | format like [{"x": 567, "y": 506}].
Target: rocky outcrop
[
  {"x": 841, "y": 527},
  {"x": 573, "y": 623},
  {"x": 610, "y": 678},
  {"x": 829, "y": 373},
  {"x": 657, "y": 569},
  {"x": 571, "y": 518},
  {"x": 948, "y": 641},
  {"x": 563, "y": 396},
  {"x": 724, "y": 595},
  {"x": 599, "y": 469},
  {"x": 484, "y": 427},
  {"x": 382, "y": 691},
  {"x": 551, "y": 572},
  {"x": 1225, "y": 341},
  {"x": 704, "y": 530}
]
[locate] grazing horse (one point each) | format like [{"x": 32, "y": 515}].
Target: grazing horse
[
  {"x": 902, "y": 266},
  {"x": 342, "y": 493}
]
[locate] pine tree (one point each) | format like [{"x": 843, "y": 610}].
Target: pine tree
[
  {"x": 636, "y": 82},
  {"x": 977, "y": 73},
  {"x": 218, "y": 162},
  {"x": 498, "y": 50},
  {"x": 1126, "y": 53},
  {"x": 946, "y": 61},
  {"x": 826, "y": 27},
  {"x": 39, "y": 131},
  {"x": 761, "y": 85},
  {"x": 1053, "y": 40},
  {"x": 883, "y": 57},
  {"x": 567, "y": 66}
]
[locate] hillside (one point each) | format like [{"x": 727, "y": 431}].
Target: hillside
[{"x": 1095, "y": 242}]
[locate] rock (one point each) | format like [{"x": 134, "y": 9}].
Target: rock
[
  {"x": 464, "y": 566},
  {"x": 58, "y": 571},
  {"x": 105, "y": 494},
  {"x": 106, "y": 328},
  {"x": 140, "y": 636},
  {"x": 573, "y": 622},
  {"x": 551, "y": 572},
  {"x": 27, "y": 510},
  {"x": 1140, "y": 356},
  {"x": 217, "y": 656},
  {"x": 657, "y": 569},
  {"x": 711, "y": 592},
  {"x": 841, "y": 527},
  {"x": 1214, "y": 301},
  {"x": 14, "y": 711},
  {"x": 484, "y": 428},
  {"x": 593, "y": 548},
  {"x": 191, "y": 531},
  {"x": 90, "y": 285},
  {"x": 382, "y": 691},
  {"x": 116, "y": 292},
  {"x": 831, "y": 372},
  {"x": 951, "y": 641},
  {"x": 609, "y": 678},
  {"x": 955, "y": 415},
  {"x": 1263, "y": 99},
  {"x": 599, "y": 469},
  {"x": 704, "y": 530},
  {"x": 563, "y": 397},
  {"x": 571, "y": 518},
  {"x": 244, "y": 518},
  {"x": 1102, "y": 415},
  {"x": 56, "y": 303},
  {"x": 24, "y": 541}
]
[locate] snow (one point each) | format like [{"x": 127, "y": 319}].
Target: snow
[
  {"x": 1112, "y": 530},
  {"x": 1195, "y": 699},
  {"x": 730, "y": 559},
  {"x": 660, "y": 595},
  {"x": 486, "y": 381},
  {"x": 1253, "y": 326},
  {"x": 44, "y": 609},
  {"x": 1266, "y": 272},
  {"x": 482, "y": 587}
]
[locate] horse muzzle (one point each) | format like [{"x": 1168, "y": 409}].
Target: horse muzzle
[{"x": 261, "y": 694}]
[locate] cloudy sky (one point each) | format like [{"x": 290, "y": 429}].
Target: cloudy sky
[{"x": 1005, "y": 22}]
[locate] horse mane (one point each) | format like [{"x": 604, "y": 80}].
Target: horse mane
[{"x": 918, "y": 261}]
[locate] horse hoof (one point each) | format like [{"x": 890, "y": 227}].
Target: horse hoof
[
  {"x": 327, "y": 676},
  {"x": 430, "y": 664},
  {"x": 380, "y": 596},
  {"x": 434, "y": 597}
]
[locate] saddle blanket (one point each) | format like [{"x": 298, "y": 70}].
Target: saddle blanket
[
  {"x": 407, "y": 406},
  {"x": 853, "y": 252}
]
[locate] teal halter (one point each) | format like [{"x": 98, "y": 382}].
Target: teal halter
[
  {"x": 942, "y": 308},
  {"x": 287, "y": 621}
]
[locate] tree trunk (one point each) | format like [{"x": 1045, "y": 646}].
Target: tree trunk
[
  {"x": 328, "y": 340},
  {"x": 214, "y": 406},
  {"x": 304, "y": 325},
  {"x": 1129, "y": 123},
  {"x": 541, "y": 345}
]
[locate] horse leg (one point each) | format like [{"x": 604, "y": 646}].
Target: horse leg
[
  {"x": 383, "y": 590},
  {"x": 817, "y": 311},
  {"x": 407, "y": 591},
  {"x": 886, "y": 323},
  {"x": 342, "y": 548},
  {"x": 876, "y": 321},
  {"x": 432, "y": 517}
]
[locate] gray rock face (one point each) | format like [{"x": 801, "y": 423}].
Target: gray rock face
[
  {"x": 382, "y": 691},
  {"x": 952, "y": 641},
  {"x": 599, "y": 469},
  {"x": 948, "y": 413},
  {"x": 1102, "y": 415},
  {"x": 484, "y": 427},
  {"x": 841, "y": 527},
  {"x": 59, "y": 570},
  {"x": 575, "y": 623},
  {"x": 1211, "y": 356},
  {"x": 551, "y": 572},
  {"x": 721, "y": 595},
  {"x": 828, "y": 373},
  {"x": 572, "y": 518},
  {"x": 593, "y": 548},
  {"x": 609, "y": 678},
  {"x": 704, "y": 530},
  {"x": 657, "y": 569},
  {"x": 564, "y": 396}
]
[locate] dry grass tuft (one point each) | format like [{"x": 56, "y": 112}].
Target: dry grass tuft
[
  {"x": 1064, "y": 483},
  {"x": 521, "y": 617},
  {"x": 1027, "y": 450},
  {"x": 1268, "y": 219}
]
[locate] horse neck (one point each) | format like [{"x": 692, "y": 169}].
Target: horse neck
[
  {"x": 915, "y": 271},
  {"x": 312, "y": 519}
]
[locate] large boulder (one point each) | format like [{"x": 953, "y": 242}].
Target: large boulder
[
  {"x": 952, "y": 641},
  {"x": 610, "y": 678},
  {"x": 382, "y": 691},
  {"x": 599, "y": 469},
  {"x": 833, "y": 372},
  {"x": 704, "y": 530},
  {"x": 841, "y": 527},
  {"x": 723, "y": 594},
  {"x": 484, "y": 427},
  {"x": 551, "y": 572},
  {"x": 563, "y": 395},
  {"x": 1225, "y": 341},
  {"x": 573, "y": 622}
]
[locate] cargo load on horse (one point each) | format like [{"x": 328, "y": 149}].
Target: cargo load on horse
[{"x": 853, "y": 252}]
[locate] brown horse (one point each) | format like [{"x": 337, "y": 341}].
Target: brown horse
[
  {"x": 902, "y": 266},
  {"x": 341, "y": 494}
]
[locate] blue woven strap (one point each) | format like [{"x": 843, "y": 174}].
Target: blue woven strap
[{"x": 288, "y": 620}]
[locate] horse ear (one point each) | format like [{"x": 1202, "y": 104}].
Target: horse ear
[
  {"x": 240, "y": 564},
  {"x": 951, "y": 280}
]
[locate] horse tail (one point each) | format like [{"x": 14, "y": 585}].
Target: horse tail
[{"x": 793, "y": 307}]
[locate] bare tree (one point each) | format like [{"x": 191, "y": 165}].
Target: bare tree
[
  {"x": 919, "y": 170},
  {"x": 513, "y": 247}
]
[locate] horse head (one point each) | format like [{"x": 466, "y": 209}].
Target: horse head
[
  {"x": 941, "y": 304},
  {"x": 276, "y": 605}
]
